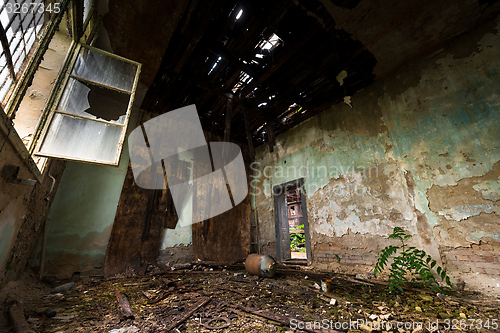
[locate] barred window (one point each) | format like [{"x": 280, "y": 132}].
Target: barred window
[{"x": 21, "y": 23}]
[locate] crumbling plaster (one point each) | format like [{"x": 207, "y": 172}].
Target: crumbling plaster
[{"x": 423, "y": 131}]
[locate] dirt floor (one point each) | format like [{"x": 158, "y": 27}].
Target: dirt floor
[{"x": 203, "y": 300}]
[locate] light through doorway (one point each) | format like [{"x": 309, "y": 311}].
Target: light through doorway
[
  {"x": 296, "y": 225},
  {"x": 292, "y": 230}
]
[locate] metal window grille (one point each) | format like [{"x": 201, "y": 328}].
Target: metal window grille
[{"x": 20, "y": 29}]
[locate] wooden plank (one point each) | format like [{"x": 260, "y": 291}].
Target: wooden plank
[
  {"x": 126, "y": 247},
  {"x": 227, "y": 236},
  {"x": 188, "y": 314}
]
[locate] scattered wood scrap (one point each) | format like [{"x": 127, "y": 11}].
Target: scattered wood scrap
[
  {"x": 183, "y": 301},
  {"x": 188, "y": 314},
  {"x": 242, "y": 293}
]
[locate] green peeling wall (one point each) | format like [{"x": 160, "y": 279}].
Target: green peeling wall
[{"x": 419, "y": 149}]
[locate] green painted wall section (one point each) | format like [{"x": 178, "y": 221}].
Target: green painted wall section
[
  {"x": 82, "y": 214},
  {"x": 348, "y": 154}
]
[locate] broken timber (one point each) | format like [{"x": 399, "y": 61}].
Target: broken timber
[{"x": 188, "y": 314}]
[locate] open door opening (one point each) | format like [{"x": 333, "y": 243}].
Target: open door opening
[{"x": 292, "y": 229}]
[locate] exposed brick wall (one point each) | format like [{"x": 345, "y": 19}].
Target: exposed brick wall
[
  {"x": 482, "y": 259},
  {"x": 326, "y": 253}
]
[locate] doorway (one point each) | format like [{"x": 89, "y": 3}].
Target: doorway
[{"x": 292, "y": 229}]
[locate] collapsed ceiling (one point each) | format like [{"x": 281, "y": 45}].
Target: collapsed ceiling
[{"x": 279, "y": 62}]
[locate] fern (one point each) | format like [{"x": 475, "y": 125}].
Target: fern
[{"x": 410, "y": 263}]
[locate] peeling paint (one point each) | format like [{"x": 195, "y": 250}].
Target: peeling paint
[
  {"x": 464, "y": 212},
  {"x": 430, "y": 134},
  {"x": 490, "y": 190},
  {"x": 479, "y": 234}
]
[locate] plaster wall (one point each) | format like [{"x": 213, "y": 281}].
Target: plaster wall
[
  {"x": 81, "y": 217},
  {"x": 419, "y": 150}
]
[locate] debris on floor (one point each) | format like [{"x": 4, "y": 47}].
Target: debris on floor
[{"x": 227, "y": 299}]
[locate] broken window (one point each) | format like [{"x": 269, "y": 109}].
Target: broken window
[{"x": 91, "y": 117}]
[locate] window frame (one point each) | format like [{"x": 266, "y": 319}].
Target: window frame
[
  {"x": 84, "y": 28},
  {"x": 38, "y": 142}
]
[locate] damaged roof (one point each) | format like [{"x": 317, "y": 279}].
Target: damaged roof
[{"x": 280, "y": 62}]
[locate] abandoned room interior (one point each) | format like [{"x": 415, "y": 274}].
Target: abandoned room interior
[{"x": 363, "y": 194}]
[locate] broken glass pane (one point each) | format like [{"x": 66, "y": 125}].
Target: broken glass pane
[
  {"x": 94, "y": 102},
  {"x": 100, "y": 68},
  {"x": 89, "y": 140},
  {"x": 89, "y": 121},
  {"x": 87, "y": 5}
]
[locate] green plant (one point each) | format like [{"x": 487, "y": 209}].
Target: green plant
[
  {"x": 409, "y": 263},
  {"x": 296, "y": 238}
]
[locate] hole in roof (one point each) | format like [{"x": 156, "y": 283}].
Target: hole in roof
[
  {"x": 261, "y": 127},
  {"x": 239, "y": 14},
  {"x": 243, "y": 80},
  {"x": 215, "y": 65},
  {"x": 292, "y": 111},
  {"x": 269, "y": 44}
]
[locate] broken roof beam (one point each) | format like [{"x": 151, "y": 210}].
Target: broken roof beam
[
  {"x": 282, "y": 59},
  {"x": 179, "y": 50},
  {"x": 232, "y": 59}
]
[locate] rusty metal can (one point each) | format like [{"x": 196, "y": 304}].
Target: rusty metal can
[{"x": 261, "y": 265}]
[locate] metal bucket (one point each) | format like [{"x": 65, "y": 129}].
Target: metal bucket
[{"x": 261, "y": 265}]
